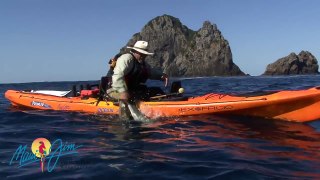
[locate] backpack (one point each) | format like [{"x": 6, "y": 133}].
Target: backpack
[{"x": 113, "y": 61}]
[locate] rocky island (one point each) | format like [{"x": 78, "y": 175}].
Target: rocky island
[
  {"x": 293, "y": 64},
  {"x": 182, "y": 52}
]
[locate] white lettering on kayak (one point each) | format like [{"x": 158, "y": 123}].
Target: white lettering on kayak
[
  {"x": 104, "y": 110},
  {"x": 41, "y": 104}
]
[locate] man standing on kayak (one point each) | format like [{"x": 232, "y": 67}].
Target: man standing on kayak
[{"x": 131, "y": 71}]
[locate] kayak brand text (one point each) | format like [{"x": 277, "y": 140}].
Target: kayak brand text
[
  {"x": 41, "y": 104},
  {"x": 104, "y": 110},
  {"x": 216, "y": 108}
]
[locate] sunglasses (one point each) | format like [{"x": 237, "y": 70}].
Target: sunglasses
[{"x": 142, "y": 55}]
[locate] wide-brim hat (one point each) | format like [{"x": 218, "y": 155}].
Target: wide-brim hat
[{"x": 141, "y": 47}]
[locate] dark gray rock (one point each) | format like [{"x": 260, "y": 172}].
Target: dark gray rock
[
  {"x": 303, "y": 63},
  {"x": 180, "y": 51}
]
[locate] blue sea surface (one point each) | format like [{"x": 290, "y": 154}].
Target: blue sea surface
[{"x": 194, "y": 147}]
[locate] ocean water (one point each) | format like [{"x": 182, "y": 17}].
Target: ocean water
[{"x": 195, "y": 147}]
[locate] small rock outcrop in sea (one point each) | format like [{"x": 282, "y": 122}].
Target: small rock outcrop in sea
[
  {"x": 180, "y": 51},
  {"x": 303, "y": 63}
]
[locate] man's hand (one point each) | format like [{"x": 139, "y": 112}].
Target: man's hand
[
  {"x": 165, "y": 78},
  {"x": 124, "y": 96}
]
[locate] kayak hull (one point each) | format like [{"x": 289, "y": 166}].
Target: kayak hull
[{"x": 294, "y": 105}]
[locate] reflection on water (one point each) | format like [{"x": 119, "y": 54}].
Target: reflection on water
[
  {"x": 253, "y": 140},
  {"x": 221, "y": 144}
]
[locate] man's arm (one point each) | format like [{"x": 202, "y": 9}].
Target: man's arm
[{"x": 156, "y": 74}]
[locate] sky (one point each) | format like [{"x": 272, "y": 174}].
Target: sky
[{"x": 72, "y": 40}]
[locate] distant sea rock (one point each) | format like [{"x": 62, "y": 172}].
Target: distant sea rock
[
  {"x": 180, "y": 51},
  {"x": 303, "y": 63}
]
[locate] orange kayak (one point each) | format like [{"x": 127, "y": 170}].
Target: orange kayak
[{"x": 293, "y": 105}]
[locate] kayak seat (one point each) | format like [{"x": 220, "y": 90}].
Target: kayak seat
[
  {"x": 103, "y": 86},
  {"x": 175, "y": 86}
]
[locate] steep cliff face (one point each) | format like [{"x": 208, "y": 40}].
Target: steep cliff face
[
  {"x": 303, "y": 63},
  {"x": 180, "y": 51}
]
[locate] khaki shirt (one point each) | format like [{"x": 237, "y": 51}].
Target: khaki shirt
[{"x": 124, "y": 66}]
